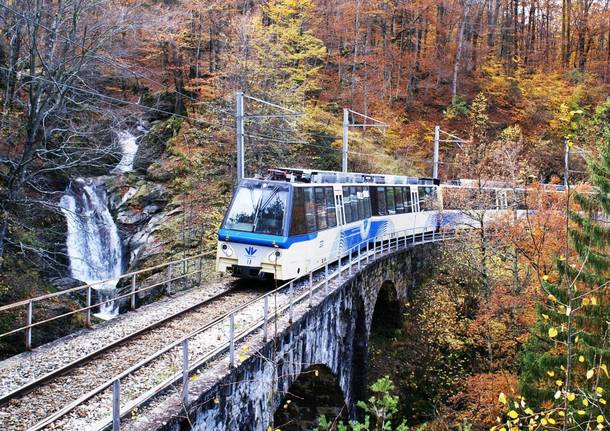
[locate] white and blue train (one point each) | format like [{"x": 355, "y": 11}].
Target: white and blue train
[{"x": 297, "y": 220}]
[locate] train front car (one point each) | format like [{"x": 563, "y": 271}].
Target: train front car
[{"x": 253, "y": 234}]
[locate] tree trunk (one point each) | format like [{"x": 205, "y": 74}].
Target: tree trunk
[{"x": 458, "y": 54}]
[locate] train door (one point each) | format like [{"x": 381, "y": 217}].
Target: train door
[
  {"x": 339, "y": 206},
  {"x": 415, "y": 200}
]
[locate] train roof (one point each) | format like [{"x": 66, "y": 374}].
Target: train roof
[{"x": 309, "y": 176}]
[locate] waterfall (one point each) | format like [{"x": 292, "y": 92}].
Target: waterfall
[
  {"x": 93, "y": 242},
  {"x": 129, "y": 148}
]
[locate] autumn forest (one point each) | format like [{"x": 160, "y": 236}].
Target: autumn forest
[{"x": 509, "y": 331}]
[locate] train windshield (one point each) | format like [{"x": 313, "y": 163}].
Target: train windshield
[{"x": 258, "y": 207}]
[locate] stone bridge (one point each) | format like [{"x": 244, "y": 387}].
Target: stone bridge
[{"x": 316, "y": 364}]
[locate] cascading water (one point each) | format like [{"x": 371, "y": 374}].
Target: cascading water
[
  {"x": 129, "y": 148},
  {"x": 93, "y": 242},
  {"x": 94, "y": 246}
]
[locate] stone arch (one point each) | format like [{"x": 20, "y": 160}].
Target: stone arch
[
  {"x": 315, "y": 392},
  {"x": 387, "y": 313}
]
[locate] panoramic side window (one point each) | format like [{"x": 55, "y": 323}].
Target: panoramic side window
[
  {"x": 297, "y": 221},
  {"x": 347, "y": 207},
  {"x": 320, "y": 207},
  {"x": 367, "y": 202},
  {"x": 331, "y": 213},
  {"x": 310, "y": 209},
  {"x": 391, "y": 200},
  {"x": 400, "y": 207},
  {"x": 361, "y": 210},
  {"x": 406, "y": 197},
  {"x": 354, "y": 203},
  {"x": 381, "y": 202}
]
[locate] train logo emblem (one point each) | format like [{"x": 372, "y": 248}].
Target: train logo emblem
[{"x": 250, "y": 251}]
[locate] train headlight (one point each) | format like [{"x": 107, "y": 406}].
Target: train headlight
[
  {"x": 228, "y": 251},
  {"x": 274, "y": 256}
]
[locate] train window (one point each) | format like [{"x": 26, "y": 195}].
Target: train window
[
  {"x": 421, "y": 193},
  {"x": 400, "y": 207},
  {"x": 391, "y": 200},
  {"x": 367, "y": 202},
  {"x": 310, "y": 209},
  {"x": 354, "y": 203},
  {"x": 406, "y": 197},
  {"x": 501, "y": 199},
  {"x": 381, "y": 203},
  {"x": 347, "y": 208},
  {"x": 331, "y": 214},
  {"x": 320, "y": 207},
  {"x": 258, "y": 207},
  {"x": 361, "y": 210},
  {"x": 297, "y": 221},
  {"x": 426, "y": 198}
]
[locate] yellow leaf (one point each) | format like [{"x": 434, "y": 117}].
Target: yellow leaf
[
  {"x": 552, "y": 332},
  {"x": 545, "y": 277},
  {"x": 558, "y": 382},
  {"x": 529, "y": 411},
  {"x": 551, "y": 373},
  {"x": 552, "y": 297},
  {"x": 599, "y": 390},
  {"x": 570, "y": 396},
  {"x": 561, "y": 413},
  {"x": 604, "y": 368},
  {"x": 586, "y": 301},
  {"x": 602, "y": 401},
  {"x": 543, "y": 422},
  {"x": 590, "y": 374},
  {"x": 581, "y": 412},
  {"x": 593, "y": 300},
  {"x": 513, "y": 414},
  {"x": 545, "y": 316},
  {"x": 600, "y": 419},
  {"x": 502, "y": 398},
  {"x": 581, "y": 358},
  {"x": 585, "y": 402},
  {"x": 552, "y": 421}
]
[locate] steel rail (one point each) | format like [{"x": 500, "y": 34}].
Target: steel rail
[
  {"x": 28, "y": 387},
  {"x": 308, "y": 293},
  {"x": 176, "y": 377}
]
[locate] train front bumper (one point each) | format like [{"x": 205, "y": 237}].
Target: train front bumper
[{"x": 242, "y": 260}]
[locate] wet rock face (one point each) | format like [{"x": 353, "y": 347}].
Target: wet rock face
[
  {"x": 141, "y": 207},
  {"x": 333, "y": 334},
  {"x": 152, "y": 146}
]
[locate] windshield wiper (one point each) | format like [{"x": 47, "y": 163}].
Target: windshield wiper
[{"x": 262, "y": 206}]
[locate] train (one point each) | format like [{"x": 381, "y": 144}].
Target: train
[{"x": 295, "y": 220}]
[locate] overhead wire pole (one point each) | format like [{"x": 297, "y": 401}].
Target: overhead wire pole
[
  {"x": 239, "y": 133},
  {"x": 437, "y": 141},
  {"x": 347, "y": 125},
  {"x": 241, "y": 117}
]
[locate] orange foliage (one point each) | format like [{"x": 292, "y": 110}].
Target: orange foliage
[{"x": 478, "y": 402}]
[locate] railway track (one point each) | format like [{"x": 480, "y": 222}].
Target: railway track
[{"x": 29, "y": 404}]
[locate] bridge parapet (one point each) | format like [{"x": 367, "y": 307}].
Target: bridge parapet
[{"x": 331, "y": 331}]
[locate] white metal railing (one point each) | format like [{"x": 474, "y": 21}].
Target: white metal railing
[
  {"x": 285, "y": 295},
  {"x": 173, "y": 271}
]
